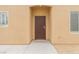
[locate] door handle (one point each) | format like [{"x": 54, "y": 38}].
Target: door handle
[{"x": 44, "y": 27}]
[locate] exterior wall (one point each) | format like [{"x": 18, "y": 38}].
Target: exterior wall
[
  {"x": 61, "y": 37},
  {"x": 21, "y": 31},
  {"x": 19, "y": 27},
  {"x": 20, "y": 18}
]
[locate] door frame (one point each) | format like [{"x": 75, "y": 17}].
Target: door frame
[{"x": 45, "y": 26}]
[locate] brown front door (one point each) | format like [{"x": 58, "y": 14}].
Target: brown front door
[{"x": 40, "y": 27}]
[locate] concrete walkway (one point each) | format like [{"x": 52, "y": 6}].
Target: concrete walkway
[{"x": 37, "y": 46}]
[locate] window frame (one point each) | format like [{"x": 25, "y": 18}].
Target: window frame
[
  {"x": 7, "y": 19},
  {"x": 73, "y": 32}
]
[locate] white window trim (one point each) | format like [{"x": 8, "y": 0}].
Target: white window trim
[
  {"x": 3, "y": 26},
  {"x": 73, "y": 32}
]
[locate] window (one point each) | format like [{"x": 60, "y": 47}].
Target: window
[
  {"x": 3, "y": 19},
  {"x": 74, "y": 21}
]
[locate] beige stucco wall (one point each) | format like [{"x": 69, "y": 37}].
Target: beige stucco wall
[
  {"x": 19, "y": 26},
  {"x": 60, "y": 25},
  {"x": 61, "y": 37}
]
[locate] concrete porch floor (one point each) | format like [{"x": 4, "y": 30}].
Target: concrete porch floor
[{"x": 37, "y": 46}]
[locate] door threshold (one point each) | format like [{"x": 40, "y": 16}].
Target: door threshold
[{"x": 40, "y": 39}]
